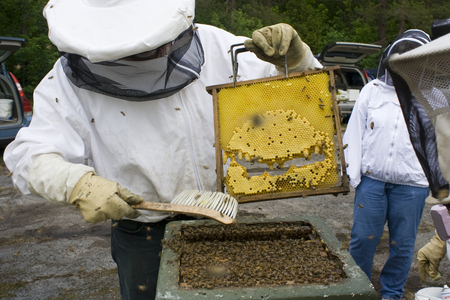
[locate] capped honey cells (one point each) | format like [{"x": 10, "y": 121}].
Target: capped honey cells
[
  {"x": 275, "y": 122},
  {"x": 253, "y": 255},
  {"x": 280, "y": 136}
]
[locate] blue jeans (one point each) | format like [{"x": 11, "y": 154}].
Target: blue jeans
[
  {"x": 135, "y": 248},
  {"x": 401, "y": 206}
]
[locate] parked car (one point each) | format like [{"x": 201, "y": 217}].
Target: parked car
[
  {"x": 371, "y": 73},
  {"x": 15, "y": 108},
  {"x": 350, "y": 79}
]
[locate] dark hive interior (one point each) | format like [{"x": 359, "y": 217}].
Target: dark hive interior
[{"x": 252, "y": 255}]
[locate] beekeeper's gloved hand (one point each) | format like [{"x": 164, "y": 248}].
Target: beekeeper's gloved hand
[
  {"x": 271, "y": 43},
  {"x": 429, "y": 257},
  {"x": 99, "y": 199}
]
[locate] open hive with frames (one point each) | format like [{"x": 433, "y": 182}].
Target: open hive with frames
[
  {"x": 251, "y": 255},
  {"x": 279, "y": 137},
  {"x": 258, "y": 258}
]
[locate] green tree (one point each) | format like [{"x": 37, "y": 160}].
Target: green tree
[
  {"x": 318, "y": 22},
  {"x": 24, "y": 19},
  {"x": 211, "y": 12},
  {"x": 310, "y": 21},
  {"x": 33, "y": 61},
  {"x": 244, "y": 25}
]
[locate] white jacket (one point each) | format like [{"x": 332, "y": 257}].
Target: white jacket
[
  {"x": 156, "y": 148},
  {"x": 378, "y": 144}
]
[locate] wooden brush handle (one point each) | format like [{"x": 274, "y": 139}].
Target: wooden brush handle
[{"x": 185, "y": 209}]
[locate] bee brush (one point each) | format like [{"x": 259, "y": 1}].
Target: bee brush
[{"x": 212, "y": 205}]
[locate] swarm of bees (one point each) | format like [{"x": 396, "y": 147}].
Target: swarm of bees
[{"x": 252, "y": 255}]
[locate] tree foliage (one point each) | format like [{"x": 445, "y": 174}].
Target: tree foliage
[
  {"x": 318, "y": 23},
  {"x": 24, "y": 19}
]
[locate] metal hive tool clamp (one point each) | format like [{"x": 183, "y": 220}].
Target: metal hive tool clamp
[{"x": 234, "y": 50}]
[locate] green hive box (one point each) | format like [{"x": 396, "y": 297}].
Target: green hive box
[{"x": 355, "y": 285}]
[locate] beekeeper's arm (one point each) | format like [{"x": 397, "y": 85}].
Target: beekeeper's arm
[
  {"x": 272, "y": 43},
  {"x": 431, "y": 254},
  {"x": 429, "y": 257},
  {"x": 47, "y": 158},
  {"x": 442, "y": 130},
  {"x": 97, "y": 198},
  {"x": 353, "y": 135}
]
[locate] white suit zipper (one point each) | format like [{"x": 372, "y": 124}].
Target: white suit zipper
[
  {"x": 393, "y": 139},
  {"x": 194, "y": 162}
]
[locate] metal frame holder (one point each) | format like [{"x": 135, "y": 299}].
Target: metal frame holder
[{"x": 235, "y": 65}]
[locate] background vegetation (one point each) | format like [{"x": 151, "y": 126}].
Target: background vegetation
[{"x": 318, "y": 23}]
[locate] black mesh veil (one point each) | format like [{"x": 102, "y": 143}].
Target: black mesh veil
[
  {"x": 420, "y": 127},
  {"x": 411, "y": 37},
  {"x": 423, "y": 138},
  {"x": 144, "y": 80}
]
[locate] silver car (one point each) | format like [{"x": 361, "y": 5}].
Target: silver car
[{"x": 350, "y": 79}]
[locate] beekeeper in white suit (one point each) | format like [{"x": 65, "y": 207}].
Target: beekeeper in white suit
[
  {"x": 421, "y": 78},
  {"x": 128, "y": 96},
  {"x": 389, "y": 181}
]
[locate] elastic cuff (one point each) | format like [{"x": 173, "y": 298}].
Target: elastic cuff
[{"x": 53, "y": 178}]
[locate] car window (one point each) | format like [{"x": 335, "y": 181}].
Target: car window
[
  {"x": 340, "y": 81},
  {"x": 353, "y": 78},
  {"x": 5, "y": 90}
]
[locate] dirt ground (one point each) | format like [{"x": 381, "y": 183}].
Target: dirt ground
[{"x": 47, "y": 251}]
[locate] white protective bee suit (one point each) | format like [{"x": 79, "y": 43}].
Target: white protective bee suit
[
  {"x": 129, "y": 98},
  {"x": 390, "y": 184},
  {"x": 422, "y": 78},
  {"x": 155, "y": 149},
  {"x": 387, "y": 154}
]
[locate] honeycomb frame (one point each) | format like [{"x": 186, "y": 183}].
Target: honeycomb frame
[{"x": 274, "y": 121}]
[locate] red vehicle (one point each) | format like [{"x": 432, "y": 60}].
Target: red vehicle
[{"x": 26, "y": 104}]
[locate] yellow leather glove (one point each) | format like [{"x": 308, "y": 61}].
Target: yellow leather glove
[
  {"x": 271, "y": 43},
  {"x": 429, "y": 257},
  {"x": 99, "y": 199}
]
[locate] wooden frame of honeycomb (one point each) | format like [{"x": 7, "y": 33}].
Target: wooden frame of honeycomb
[{"x": 270, "y": 125}]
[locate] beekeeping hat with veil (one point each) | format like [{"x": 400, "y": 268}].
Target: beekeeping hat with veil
[
  {"x": 422, "y": 80},
  {"x": 136, "y": 50},
  {"x": 406, "y": 41}
]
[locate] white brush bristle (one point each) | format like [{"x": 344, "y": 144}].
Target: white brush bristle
[{"x": 218, "y": 201}]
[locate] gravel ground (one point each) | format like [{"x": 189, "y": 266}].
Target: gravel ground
[{"x": 47, "y": 251}]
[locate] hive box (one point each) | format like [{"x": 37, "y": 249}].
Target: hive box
[{"x": 356, "y": 285}]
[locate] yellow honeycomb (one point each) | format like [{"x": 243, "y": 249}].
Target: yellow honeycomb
[
  {"x": 277, "y": 121},
  {"x": 276, "y": 137}
]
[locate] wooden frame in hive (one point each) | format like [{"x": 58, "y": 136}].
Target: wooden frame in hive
[{"x": 272, "y": 122}]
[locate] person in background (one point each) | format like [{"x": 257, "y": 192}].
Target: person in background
[
  {"x": 390, "y": 185},
  {"x": 431, "y": 254},
  {"x": 124, "y": 116}
]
